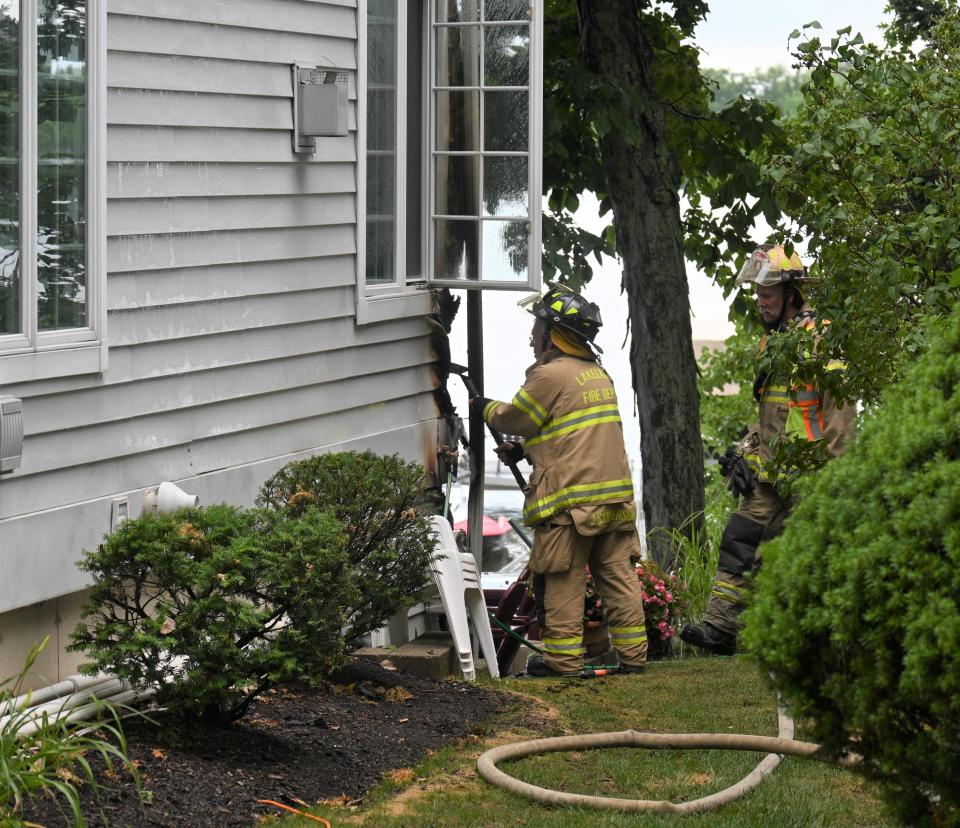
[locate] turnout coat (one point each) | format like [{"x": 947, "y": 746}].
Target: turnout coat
[{"x": 567, "y": 413}]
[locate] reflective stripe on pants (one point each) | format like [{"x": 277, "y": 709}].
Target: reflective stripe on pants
[{"x": 563, "y": 595}]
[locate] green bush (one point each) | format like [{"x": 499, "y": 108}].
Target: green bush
[
  {"x": 381, "y": 503},
  {"x": 52, "y": 760},
  {"x": 215, "y": 605},
  {"x": 856, "y": 607}
]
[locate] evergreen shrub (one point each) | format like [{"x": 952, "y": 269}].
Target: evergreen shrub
[
  {"x": 381, "y": 502},
  {"x": 856, "y": 610},
  {"x": 215, "y": 605}
]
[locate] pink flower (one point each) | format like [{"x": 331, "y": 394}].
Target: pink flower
[{"x": 669, "y": 596}]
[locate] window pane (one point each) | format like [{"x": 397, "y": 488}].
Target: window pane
[
  {"x": 382, "y": 43},
  {"x": 505, "y": 248},
  {"x": 506, "y": 55},
  {"x": 9, "y": 166},
  {"x": 458, "y": 122},
  {"x": 458, "y": 55},
  {"x": 381, "y": 147},
  {"x": 457, "y": 181},
  {"x": 415, "y": 139},
  {"x": 458, "y": 11},
  {"x": 456, "y": 249},
  {"x": 381, "y": 185},
  {"x": 505, "y": 183},
  {"x": 506, "y": 9},
  {"x": 381, "y": 119},
  {"x": 506, "y": 121},
  {"x": 381, "y": 235},
  {"x": 61, "y": 164}
]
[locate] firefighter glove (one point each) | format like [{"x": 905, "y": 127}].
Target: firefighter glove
[
  {"x": 740, "y": 477},
  {"x": 510, "y": 453},
  {"x": 479, "y": 403}
]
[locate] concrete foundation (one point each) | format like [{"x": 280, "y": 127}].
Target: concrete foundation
[
  {"x": 22, "y": 628},
  {"x": 431, "y": 654}
]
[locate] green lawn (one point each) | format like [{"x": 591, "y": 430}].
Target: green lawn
[{"x": 690, "y": 695}]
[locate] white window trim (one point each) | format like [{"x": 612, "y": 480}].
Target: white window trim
[
  {"x": 397, "y": 299},
  {"x": 36, "y": 355}
]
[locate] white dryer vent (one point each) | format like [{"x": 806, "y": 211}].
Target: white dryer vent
[{"x": 11, "y": 433}]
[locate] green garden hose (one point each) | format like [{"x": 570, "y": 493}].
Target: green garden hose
[
  {"x": 513, "y": 633},
  {"x": 589, "y": 670}
]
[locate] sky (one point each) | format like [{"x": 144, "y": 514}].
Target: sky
[
  {"x": 745, "y": 34},
  {"x": 740, "y": 35}
]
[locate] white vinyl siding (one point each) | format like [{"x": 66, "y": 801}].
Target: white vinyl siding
[{"x": 230, "y": 290}]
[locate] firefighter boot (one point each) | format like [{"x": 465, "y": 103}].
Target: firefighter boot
[
  {"x": 710, "y": 638},
  {"x": 538, "y": 668}
]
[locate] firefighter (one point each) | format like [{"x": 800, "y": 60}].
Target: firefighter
[
  {"x": 579, "y": 498},
  {"x": 788, "y": 409}
]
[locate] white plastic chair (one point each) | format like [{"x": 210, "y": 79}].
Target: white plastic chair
[{"x": 460, "y": 589}]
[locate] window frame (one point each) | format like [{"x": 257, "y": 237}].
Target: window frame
[
  {"x": 32, "y": 354},
  {"x": 533, "y": 281},
  {"x": 407, "y": 295},
  {"x": 404, "y": 295}
]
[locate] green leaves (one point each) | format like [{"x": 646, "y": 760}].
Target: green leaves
[
  {"x": 47, "y": 756},
  {"x": 871, "y": 175},
  {"x": 855, "y": 608},
  {"x": 386, "y": 535},
  {"x": 215, "y": 605},
  {"x": 209, "y": 605},
  {"x": 569, "y": 250},
  {"x": 712, "y": 151}
]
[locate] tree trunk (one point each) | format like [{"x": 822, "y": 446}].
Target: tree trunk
[{"x": 643, "y": 184}]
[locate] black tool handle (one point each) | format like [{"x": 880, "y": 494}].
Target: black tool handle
[{"x": 461, "y": 372}]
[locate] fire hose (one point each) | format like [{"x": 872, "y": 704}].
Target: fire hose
[{"x": 776, "y": 748}]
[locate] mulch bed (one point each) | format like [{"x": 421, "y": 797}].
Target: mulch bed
[{"x": 297, "y": 745}]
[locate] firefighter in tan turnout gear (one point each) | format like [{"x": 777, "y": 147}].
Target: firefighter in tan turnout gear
[
  {"x": 579, "y": 498},
  {"x": 788, "y": 408}
]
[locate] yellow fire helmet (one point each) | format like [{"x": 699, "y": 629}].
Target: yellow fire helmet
[{"x": 770, "y": 265}]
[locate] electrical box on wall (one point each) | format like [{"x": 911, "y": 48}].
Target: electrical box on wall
[
  {"x": 11, "y": 433},
  {"x": 320, "y": 104}
]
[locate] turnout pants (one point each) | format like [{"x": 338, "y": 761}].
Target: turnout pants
[
  {"x": 559, "y": 557},
  {"x": 759, "y": 518}
]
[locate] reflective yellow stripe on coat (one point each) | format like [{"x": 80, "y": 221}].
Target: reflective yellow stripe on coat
[
  {"x": 600, "y": 492},
  {"x": 583, "y": 418},
  {"x": 529, "y": 406}
]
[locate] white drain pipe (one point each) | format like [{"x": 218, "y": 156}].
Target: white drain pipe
[
  {"x": 71, "y": 684},
  {"x": 76, "y": 698}
]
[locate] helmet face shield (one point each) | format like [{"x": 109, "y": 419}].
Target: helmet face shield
[
  {"x": 528, "y": 302},
  {"x": 756, "y": 270},
  {"x": 770, "y": 267}
]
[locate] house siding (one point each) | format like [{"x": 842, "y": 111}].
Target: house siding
[{"x": 230, "y": 286}]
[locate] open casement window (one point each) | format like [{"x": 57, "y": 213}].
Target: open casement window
[
  {"x": 449, "y": 145},
  {"x": 51, "y": 189}
]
